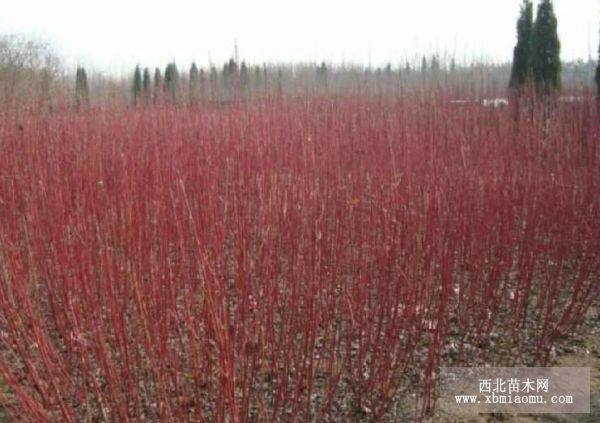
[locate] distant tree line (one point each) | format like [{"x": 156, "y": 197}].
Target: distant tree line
[
  {"x": 536, "y": 63},
  {"x": 234, "y": 79},
  {"x": 240, "y": 80}
]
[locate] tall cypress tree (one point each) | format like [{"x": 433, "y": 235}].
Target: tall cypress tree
[
  {"x": 194, "y": 74},
  {"x": 435, "y": 64},
  {"x": 244, "y": 78},
  {"x": 598, "y": 75},
  {"x": 213, "y": 81},
  {"x": 226, "y": 80},
  {"x": 81, "y": 87},
  {"x": 202, "y": 84},
  {"x": 137, "y": 84},
  {"x": 265, "y": 77},
  {"x": 172, "y": 80},
  {"x": 280, "y": 80},
  {"x": 230, "y": 73},
  {"x": 158, "y": 82},
  {"x": 388, "y": 69},
  {"x": 257, "y": 78},
  {"x": 233, "y": 66},
  {"x": 522, "y": 71},
  {"x": 322, "y": 75},
  {"x": 146, "y": 84},
  {"x": 546, "y": 48}
]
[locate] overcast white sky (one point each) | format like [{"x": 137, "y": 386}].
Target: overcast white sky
[{"x": 114, "y": 35}]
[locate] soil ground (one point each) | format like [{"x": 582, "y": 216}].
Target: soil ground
[{"x": 581, "y": 350}]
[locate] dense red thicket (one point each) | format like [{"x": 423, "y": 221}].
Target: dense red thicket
[{"x": 286, "y": 259}]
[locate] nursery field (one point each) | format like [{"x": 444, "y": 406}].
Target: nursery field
[{"x": 288, "y": 258}]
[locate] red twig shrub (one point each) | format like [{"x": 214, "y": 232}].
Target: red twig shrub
[{"x": 297, "y": 258}]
